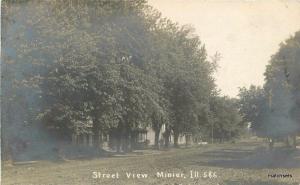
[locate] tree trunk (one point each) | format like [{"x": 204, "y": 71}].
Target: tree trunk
[
  {"x": 117, "y": 134},
  {"x": 176, "y": 136},
  {"x": 156, "y": 139},
  {"x": 118, "y": 144},
  {"x": 186, "y": 140},
  {"x": 271, "y": 143},
  {"x": 90, "y": 140},
  {"x": 7, "y": 154},
  {"x": 96, "y": 131},
  {"x": 294, "y": 141},
  {"x": 128, "y": 142},
  {"x": 125, "y": 143},
  {"x": 167, "y": 138},
  {"x": 96, "y": 139},
  {"x": 74, "y": 139},
  {"x": 132, "y": 141},
  {"x": 287, "y": 142},
  {"x": 85, "y": 141}
]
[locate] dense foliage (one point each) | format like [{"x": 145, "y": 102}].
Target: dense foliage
[
  {"x": 107, "y": 67},
  {"x": 274, "y": 109}
]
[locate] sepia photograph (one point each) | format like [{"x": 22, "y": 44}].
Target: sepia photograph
[{"x": 150, "y": 92}]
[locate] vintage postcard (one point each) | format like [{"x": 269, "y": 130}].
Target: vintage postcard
[{"x": 158, "y": 92}]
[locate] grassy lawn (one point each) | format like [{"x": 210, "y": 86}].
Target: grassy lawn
[{"x": 244, "y": 163}]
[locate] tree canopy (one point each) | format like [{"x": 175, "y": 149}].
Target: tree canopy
[
  {"x": 274, "y": 109},
  {"x": 108, "y": 65}
]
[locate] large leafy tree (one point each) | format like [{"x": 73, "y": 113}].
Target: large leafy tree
[
  {"x": 226, "y": 122},
  {"x": 113, "y": 66},
  {"x": 88, "y": 60},
  {"x": 254, "y": 107},
  {"x": 282, "y": 84},
  {"x": 190, "y": 83},
  {"x": 274, "y": 110}
]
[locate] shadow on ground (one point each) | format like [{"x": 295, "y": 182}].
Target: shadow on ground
[
  {"x": 250, "y": 182},
  {"x": 252, "y": 159}
]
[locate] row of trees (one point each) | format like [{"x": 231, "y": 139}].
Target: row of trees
[
  {"x": 113, "y": 66},
  {"x": 274, "y": 110}
]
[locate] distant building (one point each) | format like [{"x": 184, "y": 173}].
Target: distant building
[{"x": 141, "y": 138}]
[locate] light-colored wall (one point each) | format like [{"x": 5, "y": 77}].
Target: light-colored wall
[{"x": 151, "y": 136}]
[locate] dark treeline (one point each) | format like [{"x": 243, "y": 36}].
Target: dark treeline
[
  {"x": 274, "y": 109},
  {"x": 106, "y": 67}
]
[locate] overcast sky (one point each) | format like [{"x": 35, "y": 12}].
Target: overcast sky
[{"x": 246, "y": 33}]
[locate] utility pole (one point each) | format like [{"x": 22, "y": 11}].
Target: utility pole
[
  {"x": 211, "y": 121},
  {"x": 270, "y": 140}
]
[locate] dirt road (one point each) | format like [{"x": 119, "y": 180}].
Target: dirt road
[{"x": 244, "y": 163}]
